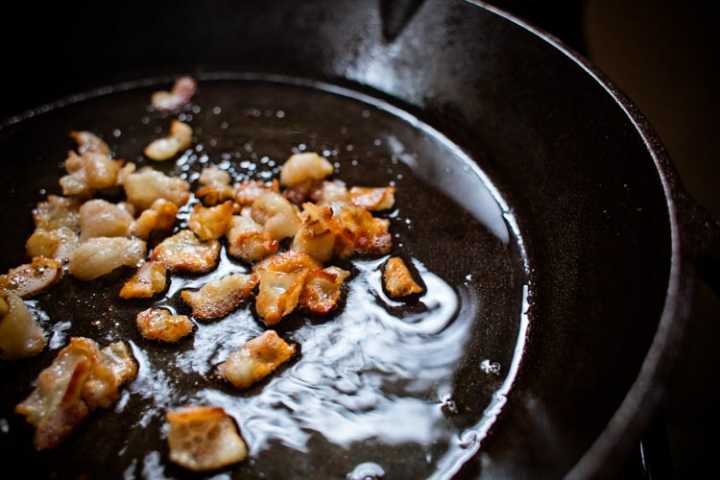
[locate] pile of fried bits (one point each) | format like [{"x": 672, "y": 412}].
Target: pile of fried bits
[{"x": 88, "y": 237}]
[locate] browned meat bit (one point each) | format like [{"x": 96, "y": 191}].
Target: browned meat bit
[
  {"x": 288, "y": 262},
  {"x": 301, "y": 193},
  {"x": 218, "y": 298},
  {"x": 211, "y": 223},
  {"x": 213, "y": 175},
  {"x": 179, "y": 138},
  {"x": 181, "y": 93},
  {"x": 316, "y": 235},
  {"x": 257, "y": 359},
  {"x": 277, "y": 216},
  {"x": 322, "y": 290},
  {"x": 99, "y": 218},
  {"x": 89, "y": 142},
  {"x": 88, "y": 173},
  {"x": 248, "y": 191},
  {"x": 159, "y": 217},
  {"x": 398, "y": 280},
  {"x": 32, "y": 278},
  {"x": 57, "y": 212},
  {"x": 81, "y": 378},
  {"x": 149, "y": 280},
  {"x": 282, "y": 278},
  {"x": 160, "y": 324},
  {"x": 215, "y": 186},
  {"x": 144, "y": 187},
  {"x": 359, "y": 232},
  {"x": 328, "y": 193},
  {"x": 373, "y": 199},
  {"x": 59, "y": 243},
  {"x": 184, "y": 252},
  {"x": 248, "y": 241},
  {"x": 20, "y": 335},
  {"x": 204, "y": 438},
  {"x": 304, "y": 167},
  {"x": 99, "y": 256}
]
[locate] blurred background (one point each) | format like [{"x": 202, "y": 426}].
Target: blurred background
[{"x": 662, "y": 54}]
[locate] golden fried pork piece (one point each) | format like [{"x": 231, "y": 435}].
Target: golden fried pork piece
[
  {"x": 161, "y": 217},
  {"x": 59, "y": 243},
  {"x": 304, "y": 167},
  {"x": 277, "y": 216},
  {"x": 88, "y": 173},
  {"x": 373, "y": 199},
  {"x": 57, "y": 212},
  {"x": 321, "y": 293},
  {"x": 248, "y": 191},
  {"x": 32, "y": 278},
  {"x": 159, "y": 324},
  {"x": 213, "y": 175},
  {"x": 204, "y": 438},
  {"x": 20, "y": 335},
  {"x": 257, "y": 359},
  {"x": 101, "y": 255},
  {"x": 218, "y": 298},
  {"x": 147, "y": 185},
  {"x": 357, "y": 231},
  {"x": 181, "y": 93},
  {"x": 287, "y": 262},
  {"x": 99, "y": 218},
  {"x": 215, "y": 186},
  {"x": 316, "y": 235},
  {"x": 398, "y": 280},
  {"x": 184, "y": 252},
  {"x": 179, "y": 138},
  {"x": 328, "y": 193},
  {"x": 81, "y": 378},
  {"x": 211, "y": 223},
  {"x": 248, "y": 241},
  {"x": 149, "y": 280},
  {"x": 89, "y": 142}
]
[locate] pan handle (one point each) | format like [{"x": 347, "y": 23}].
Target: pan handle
[{"x": 703, "y": 243}]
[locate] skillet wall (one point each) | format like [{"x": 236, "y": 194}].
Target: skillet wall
[{"x": 555, "y": 143}]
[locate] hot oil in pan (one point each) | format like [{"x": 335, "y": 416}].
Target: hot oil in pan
[{"x": 404, "y": 389}]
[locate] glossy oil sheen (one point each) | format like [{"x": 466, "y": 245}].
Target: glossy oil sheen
[{"x": 383, "y": 387}]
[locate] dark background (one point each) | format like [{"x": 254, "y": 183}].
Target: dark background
[{"x": 663, "y": 55}]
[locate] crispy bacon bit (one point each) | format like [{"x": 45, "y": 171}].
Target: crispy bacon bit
[
  {"x": 81, "y": 378},
  {"x": 124, "y": 172},
  {"x": 32, "y": 278},
  {"x": 89, "y": 142},
  {"x": 279, "y": 294},
  {"x": 359, "y": 232},
  {"x": 304, "y": 167},
  {"x": 219, "y": 298},
  {"x": 373, "y": 199},
  {"x": 301, "y": 192},
  {"x": 184, "y": 252},
  {"x": 321, "y": 293},
  {"x": 330, "y": 192},
  {"x": 179, "y": 138},
  {"x": 181, "y": 93},
  {"x": 216, "y": 186},
  {"x": 398, "y": 280},
  {"x": 20, "y": 335},
  {"x": 213, "y": 175},
  {"x": 59, "y": 243},
  {"x": 99, "y": 218},
  {"x": 57, "y": 212},
  {"x": 149, "y": 280},
  {"x": 288, "y": 262},
  {"x": 159, "y": 217},
  {"x": 248, "y": 191},
  {"x": 211, "y": 223},
  {"x": 147, "y": 185},
  {"x": 99, "y": 256},
  {"x": 257, "y": 359},
  {"x": 248, "y": 241},
  {"x": 160, "y": 324},
  {"x": 278, "y": 216},
  {"x": 204, "y": 438},
  {"x": 89, "y": 172},
  {"x": 316, "y": 236}
]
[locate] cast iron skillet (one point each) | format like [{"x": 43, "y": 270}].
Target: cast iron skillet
[{"x": 602, "y": 235}]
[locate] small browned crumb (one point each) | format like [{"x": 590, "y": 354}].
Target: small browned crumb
[
  {"x": 304, "y": 167},
  {"x": 149, "y": 280},
  {"x": 257, "y": 359},
  {"x": 159, "y": 217},
  {"x": 316, "y": 236},
  {"x": 99, "y": 218},
  {"x": 88, "y": 173},
  {"x": 321, "y": 294},
  {"x": 204, "y": 438},
  {"x": 211, "y": 223},
  {"x": 218, "y": 298},
  {"x": 248, "y": 241},
  {"x": 20, "y": 335},
  {"x": 59, "y": 243},
  {"x": 147, "y": 185},
  {"x": 89, "y": 142},
  {"x": 184, "y": 252},
  {"x": 32, "y": 278},
  {"x": 248, "y": 191},
  {"x": 277, "y": 216},
  {"x": 181, "y": 93},
  {"x": 398, "y": 280},
  {"x": 357, "y": 231},
  {"x": 160, "y": 324},
  {"x": 179, "y": 138},
  {"x": 373, "y": 199},
  {"x": 99, "y": 256},
  {"x": 57, "y": 212},
  {"x": 82, "y": 377}
]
